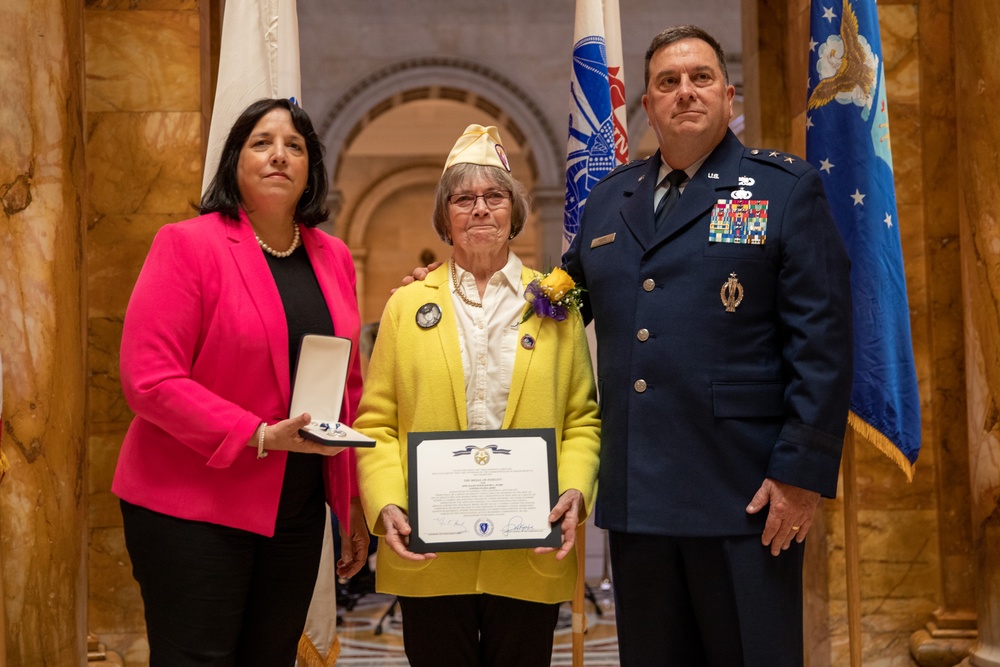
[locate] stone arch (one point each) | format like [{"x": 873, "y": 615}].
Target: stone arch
[
  {"x": 361, "y": 215},
  {"x": 453, "y": 79}
]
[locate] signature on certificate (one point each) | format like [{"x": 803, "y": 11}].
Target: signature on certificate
[
  {"x": 516, "y": 525},
  {"x": 457, "y": 524}
]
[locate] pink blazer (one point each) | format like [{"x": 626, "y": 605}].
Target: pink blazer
[{"x": 204, "y": 360}]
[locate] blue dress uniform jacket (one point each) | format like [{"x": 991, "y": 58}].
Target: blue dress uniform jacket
[{"x": 698, "y": 404}]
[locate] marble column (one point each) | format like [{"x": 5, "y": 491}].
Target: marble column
[
  {"x": 42, "y": 174},
  {"x": 773, "y": 31},
  {"x": 977, "y": 79},
  {"x": 550, "y": 206},
  {"x": 771, "y": 59},
  {"x": 950, "y": 632},
  {"x": 144, "y": 118}
]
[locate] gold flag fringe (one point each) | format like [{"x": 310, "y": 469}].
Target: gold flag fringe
[
  {"x": 309, "y": 655},
  {"x": 882, "y": 443}
]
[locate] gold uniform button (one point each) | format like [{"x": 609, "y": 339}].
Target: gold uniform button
[
  {"x": 640, "y": 386},
  {"x": 648, "y": 284},
  {"x": 642, "y": 335}
]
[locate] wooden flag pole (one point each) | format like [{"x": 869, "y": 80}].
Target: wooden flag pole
[
  {"x": 852, "y": 550},
  {"x": 579, "y": 617}
]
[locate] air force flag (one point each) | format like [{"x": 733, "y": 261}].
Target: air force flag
[{"x": 847, "y": 140}]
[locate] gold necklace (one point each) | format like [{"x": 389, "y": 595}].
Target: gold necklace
[{"x": 458, "y": 288}]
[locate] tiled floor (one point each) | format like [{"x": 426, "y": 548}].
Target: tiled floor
[{"x": 365, "y": 644}]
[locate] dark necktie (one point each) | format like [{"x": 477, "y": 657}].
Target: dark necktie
[{"x": 675, "y": 178}]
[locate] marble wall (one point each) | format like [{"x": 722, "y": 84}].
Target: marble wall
[
  {"x": 952, "y": 627},
  {"x": 42, "y": 192},
  {"x": 976, "y": 57},
  {"x": 144, "y": 153}
]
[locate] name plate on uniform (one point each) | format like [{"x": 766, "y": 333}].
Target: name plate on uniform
[
  {"x": 482, "y": 490},
  {"x": 320, "y": 378}
]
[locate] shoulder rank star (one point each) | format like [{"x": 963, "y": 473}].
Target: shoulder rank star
[{"x": 731, "y": 293}]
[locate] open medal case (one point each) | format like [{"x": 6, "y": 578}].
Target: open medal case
[{"x": 320, "y": 379}]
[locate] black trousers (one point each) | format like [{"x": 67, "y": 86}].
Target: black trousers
[
  {"x": 221, "y": 596},
  {"x": 477, "y": 631},
  {"x": 706, "y": 601}
]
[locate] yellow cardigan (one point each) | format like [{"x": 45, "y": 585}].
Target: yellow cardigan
[{"x": 415, "y": 383}]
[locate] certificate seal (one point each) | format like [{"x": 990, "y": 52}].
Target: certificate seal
[{"x": 484, "y": 527}]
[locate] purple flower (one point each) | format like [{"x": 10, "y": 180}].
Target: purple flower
[{"x": 535, "y": 290}]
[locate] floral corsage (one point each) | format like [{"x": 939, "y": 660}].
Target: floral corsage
[{"x": 552, "y": 294}]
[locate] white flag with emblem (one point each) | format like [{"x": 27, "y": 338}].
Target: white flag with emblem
[{"x": 258, "y": 58}]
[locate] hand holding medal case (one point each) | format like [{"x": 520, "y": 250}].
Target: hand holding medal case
[{"x": 320, "y": 379}]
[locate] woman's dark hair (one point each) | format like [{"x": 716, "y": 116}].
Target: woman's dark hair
[{"x": 223, "y": 195}]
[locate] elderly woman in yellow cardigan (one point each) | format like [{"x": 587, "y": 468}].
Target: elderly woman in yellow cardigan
[{"x": 454, "y": 352}]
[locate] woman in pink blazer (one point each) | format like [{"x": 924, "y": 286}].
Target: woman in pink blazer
[{"x": 222, "y": 499}]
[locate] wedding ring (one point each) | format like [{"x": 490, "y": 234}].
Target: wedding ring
[{"x": 796, "y": 527}]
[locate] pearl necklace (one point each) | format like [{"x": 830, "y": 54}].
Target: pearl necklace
[
  {"x": 274, "y": 253},
  {"x": 459, "y": 290}
]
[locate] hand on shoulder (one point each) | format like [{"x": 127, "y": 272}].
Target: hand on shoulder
[{"x": 419, "y": 273}]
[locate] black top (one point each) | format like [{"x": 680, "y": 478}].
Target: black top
[{"x": 306, "y": 313}]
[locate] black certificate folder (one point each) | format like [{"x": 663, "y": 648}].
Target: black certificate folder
[
  {"x": 320, "y": 380},
  {"x": 482, "y": 490}
]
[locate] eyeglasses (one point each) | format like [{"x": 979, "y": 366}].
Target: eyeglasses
[{"x": 466, "y": 201}]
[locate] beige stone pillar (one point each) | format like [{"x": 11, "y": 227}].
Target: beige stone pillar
[
  {"x": 144, "y": 120},
  {"x": 977, "y": 77},
  {"x": 951, "y": 630},
  {"x": 550, "y": 207},
  {"x": 42, "y": 500},
  {"x": 774, "y": 61}
]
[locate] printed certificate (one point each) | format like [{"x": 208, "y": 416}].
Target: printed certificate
[{"x": 476, "y": 490}]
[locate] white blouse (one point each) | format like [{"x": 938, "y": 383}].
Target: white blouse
[{"x": 488, "y": 338}]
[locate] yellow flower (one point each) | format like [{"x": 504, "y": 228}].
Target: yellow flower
[{"x": 556, "y": 284}]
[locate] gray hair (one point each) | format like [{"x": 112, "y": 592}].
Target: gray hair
[{"x": 456, "y": 175}]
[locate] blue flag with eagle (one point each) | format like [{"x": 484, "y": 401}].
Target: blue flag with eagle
[{"x": 847, "y": 140}]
